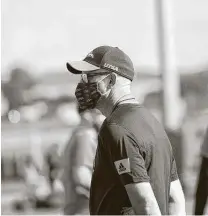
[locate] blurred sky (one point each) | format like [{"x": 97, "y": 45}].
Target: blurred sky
[{"x": 44, "y": 34}]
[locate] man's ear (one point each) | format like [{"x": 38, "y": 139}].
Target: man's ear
[{"x": 113, "y": 79}]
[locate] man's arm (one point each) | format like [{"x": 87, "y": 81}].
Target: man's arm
[
  {"x": 142, "y": 199},
  {"x": 177, "y": 205},
  {"x": 177, "y": 198},
  {"x": 129, "y": 163}
]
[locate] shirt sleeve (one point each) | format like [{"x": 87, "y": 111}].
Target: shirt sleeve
[{"x": 125, "y": 155}]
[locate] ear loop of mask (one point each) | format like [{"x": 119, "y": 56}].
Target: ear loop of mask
[
  {"x": 84, "y": 78},
  {"x": 103, "y": 94}
]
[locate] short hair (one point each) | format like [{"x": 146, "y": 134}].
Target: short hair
[{"x": 121, "y": 80}]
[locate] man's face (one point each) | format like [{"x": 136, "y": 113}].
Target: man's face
[
  {"x": 101, "y": 77},
  {"x": 93, "y": 88}
]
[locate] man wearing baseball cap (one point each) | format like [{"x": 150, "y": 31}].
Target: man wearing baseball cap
[{"x": 134, "y": 169}]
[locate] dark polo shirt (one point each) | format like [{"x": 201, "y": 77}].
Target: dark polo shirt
[{"x": 132, "y": 147}]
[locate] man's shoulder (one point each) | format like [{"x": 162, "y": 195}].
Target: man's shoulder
[
  {"x": 130, "y": 115},
  {"x": 128, "y": 118},
  {"x": 112, "y": 130},
  {"x": 109, "y": 126}
]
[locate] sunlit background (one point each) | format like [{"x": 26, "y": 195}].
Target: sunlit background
[{"x": 38, "y": 105}]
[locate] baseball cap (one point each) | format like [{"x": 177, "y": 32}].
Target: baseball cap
[{"x": 106, "y": 57}]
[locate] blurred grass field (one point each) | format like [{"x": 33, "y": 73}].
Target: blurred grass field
[{"x": 13, "y": 190}]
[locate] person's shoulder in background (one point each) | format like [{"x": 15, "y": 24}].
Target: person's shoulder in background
[
  {"x": 84, "y": 131},
  {"x": 82, "y": 140}
]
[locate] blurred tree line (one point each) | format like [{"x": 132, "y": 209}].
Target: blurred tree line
[
  {"x": 194, "y": 89},
  {"x": 19, "y": 81}
]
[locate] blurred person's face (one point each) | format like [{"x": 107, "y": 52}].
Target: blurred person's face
[{"x": 92, "y": 88}]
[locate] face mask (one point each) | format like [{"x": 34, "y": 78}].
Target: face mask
[{"x": 87, "y": 95}]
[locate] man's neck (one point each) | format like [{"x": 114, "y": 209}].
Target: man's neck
[{"x": 107, "y": 106}]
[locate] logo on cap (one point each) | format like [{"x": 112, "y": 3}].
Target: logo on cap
[
  {"x": 90, "y": 55},
  {"x": 110, "y": 67}
]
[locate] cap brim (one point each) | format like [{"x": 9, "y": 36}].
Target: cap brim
[{"x": 77, "y": 67}]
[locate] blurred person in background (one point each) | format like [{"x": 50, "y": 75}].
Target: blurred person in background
[
  {"x": 37, "y": 188},
  {"x": 52, "y": 160},
  {"x": 134, "y": 170},
  {"x": 78, "y": 162},
  {"x": 31, "y": 172},
  {"x": 202, "y": 185}
]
